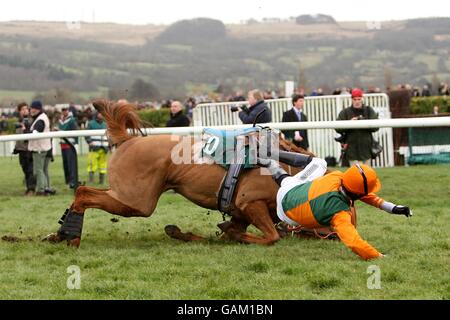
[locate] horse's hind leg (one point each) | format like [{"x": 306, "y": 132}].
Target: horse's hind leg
[
  {"x": 175, "y": 233},
  {"x": 257, "y": 214},
  {"x": 85, "y": 198},
  {"x": 235, "y": 226}
]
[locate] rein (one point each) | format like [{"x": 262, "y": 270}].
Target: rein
[{"x": 301, "y": 228}]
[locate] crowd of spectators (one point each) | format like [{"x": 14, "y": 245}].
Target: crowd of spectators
[{"x": 86, "y": 112}]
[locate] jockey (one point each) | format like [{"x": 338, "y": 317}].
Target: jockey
[{"x": 313, "y": 200}]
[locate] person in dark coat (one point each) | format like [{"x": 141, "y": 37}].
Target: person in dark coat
[
  {"x": 69, "y": 154},
  {"x": 21, "y": 148},
  {"x": 177, "y": 118},
  {"x": 359, "y": 141},
  {"x": 257, "y": 104},
  {"x": 298, "y": 137}
]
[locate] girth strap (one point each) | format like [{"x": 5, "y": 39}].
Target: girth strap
[
  {"x": 229, "y": 184},
  {"x": 71, "y": 225}
]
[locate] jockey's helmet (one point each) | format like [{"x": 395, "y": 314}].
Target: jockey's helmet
[{"x": 361, "y": 180}]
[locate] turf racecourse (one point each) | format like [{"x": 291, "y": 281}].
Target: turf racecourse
[{"x": 134, "y": 259}]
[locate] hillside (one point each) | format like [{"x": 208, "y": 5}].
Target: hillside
[{"x": 178, "y": 59}]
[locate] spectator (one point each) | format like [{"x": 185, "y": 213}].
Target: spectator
[
  {"x": 298, "y": 137},
  {"x": 40, "y": 148},
  {"x": 337, "y": 91},
  {"x": 344, "y": 91},
  {"x": 3, "y": 123},
  {"x": 69, "y": 155},
  {"x": 122, "y": 101},
  {"x": 415, "y": 92},
  {"x": 239, "y": 96},
  {"x": 436, "y": 110},
  {"x": 21, "y": 148},
  {"x": 48, "y": 158},
  {"x": 98, "y": 149},
  {"x": 359, "y": 141},
  {"x": 177, "y": 118},
  {"x": 267, "y": 95},
  {"x": 73, "y": 110},
  {"x": 425, "y": 91},
  {"x": 257, "y": 104},
  {"x": 444, "y": 89},
  {"x": 88, "y": 116},
  {"x": 189, "y": 104},
  {"x": 166, "y": 104}
]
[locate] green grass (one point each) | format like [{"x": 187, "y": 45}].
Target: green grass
[{"x": 134, "y": 259}]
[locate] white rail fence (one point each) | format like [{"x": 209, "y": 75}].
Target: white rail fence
[
  {"x": 9, "y": 140},
  {"x": 324, "y": 108}
]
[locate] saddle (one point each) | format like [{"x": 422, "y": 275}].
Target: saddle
[{"x": 235, "y": 150}]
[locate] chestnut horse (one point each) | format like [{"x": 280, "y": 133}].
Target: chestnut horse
[{"x": 141, "y": 169}]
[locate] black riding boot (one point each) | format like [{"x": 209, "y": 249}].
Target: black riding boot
[
  {"x": 91, "y": 177},
  {"x": 101, "y": 178},
  {"x": 294, "y": 159}
]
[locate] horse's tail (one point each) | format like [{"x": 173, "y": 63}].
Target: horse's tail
[{"x": 119, "y": 117}]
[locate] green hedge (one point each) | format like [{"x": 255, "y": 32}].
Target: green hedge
[
  {"x": 11, "y": 127},
  {"x": 158, "y": 118},
  {"x": 424, "y": 105}
]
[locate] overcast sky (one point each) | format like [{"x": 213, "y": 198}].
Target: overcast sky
[{"x": 229, "y": 11}]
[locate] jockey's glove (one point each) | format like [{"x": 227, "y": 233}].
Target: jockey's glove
[
  {"x": 402, "y": 210},
  {"x": 396, "y": 209}
]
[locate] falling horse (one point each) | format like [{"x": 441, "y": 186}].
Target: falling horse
[{"x": 141, "y": 169}]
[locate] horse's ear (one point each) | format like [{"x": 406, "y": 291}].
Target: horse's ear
[{"x": 100, "y": 104}]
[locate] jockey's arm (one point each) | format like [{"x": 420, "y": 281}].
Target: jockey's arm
[
  {"x": 346, "y": 231},
  {"x": 389, "y": 207}
]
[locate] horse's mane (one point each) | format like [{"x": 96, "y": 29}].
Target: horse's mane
[{"x": 119, "y": 117}]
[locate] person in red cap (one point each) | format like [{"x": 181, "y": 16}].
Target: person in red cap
[{"x": 357, "y": 142}]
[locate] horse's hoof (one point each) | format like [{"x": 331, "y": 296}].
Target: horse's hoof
[
  {"x": 224, "y": 226},
  {"x": 172, "y": 230},
  {"x": 52, "y": 238},
  {"x": 74, "y": 242}
]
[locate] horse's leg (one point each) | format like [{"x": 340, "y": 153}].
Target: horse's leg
[
  {"x": 175, "y": 233},
  {"x": 257, "y": 214},
  {"x": 85, "y": 198},
  {"x": 233, "y": 227}
]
